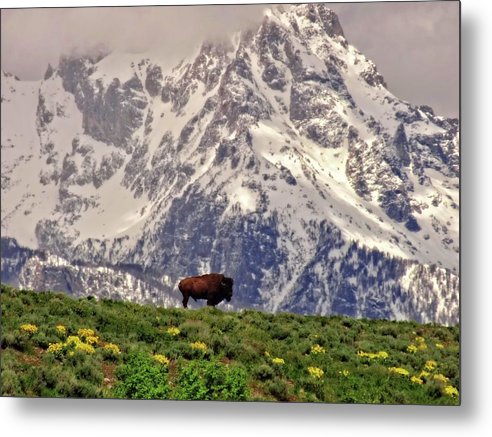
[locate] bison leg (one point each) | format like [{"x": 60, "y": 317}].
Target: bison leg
[{"x": 185, "y": 300}]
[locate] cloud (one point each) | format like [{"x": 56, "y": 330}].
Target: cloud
[
  {"x": 415, "y": 45},
  {"x": 33, "y": 37}
]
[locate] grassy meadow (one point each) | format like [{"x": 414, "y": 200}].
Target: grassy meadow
[{"x": 53, "y": 345}]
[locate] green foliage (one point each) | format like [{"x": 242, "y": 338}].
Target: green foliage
[
  {"x": 142, "y": 378},
  {"x": 245, "y": 355},
  {"x": 278, "y": 389},
  {"x": 212, "y": 380},
  {"x": 263, "y": 372},
  {"x": 10, "y": 383}
]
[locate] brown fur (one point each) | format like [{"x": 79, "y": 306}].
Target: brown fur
[{"x": 214, "y": 287}]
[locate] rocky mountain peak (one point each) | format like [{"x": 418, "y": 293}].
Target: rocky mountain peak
[
  {"x": 281, "y": 159},
  {"x": 49, "y": 72},
  {"x": 312, "y": 19}
]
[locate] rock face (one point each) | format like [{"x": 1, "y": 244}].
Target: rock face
[{"x": 278, "y": 158}]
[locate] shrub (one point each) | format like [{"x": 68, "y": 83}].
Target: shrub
[
  {"x": 197, "y": 350},
  {"x": 18, "y": 340},
  {"x": 241, "y": 352},
  {"x": 84, "y": 347},
  {"x": 278, "y": 389},
  {"x": 227, "y": 324},
  {"x": 83, "y": 309},
  {"x": 217, "y": 343},
  {"x": 194, "y": 329},
  {"x": 44, "y": 340},
  {"x": 177, "y": 350},
  {"x": 279, "y": 332},
  {"x": 10, "y": 385},
  {"x": 389, "y": 330},
  {"x": 8, "y": 339},
  {"x": 84, "y": 389},
  {"x": 450, "y": 369},
  {"x": 74, "y": 357},
  {"x": 142, "y": 378},
  {"x": 90, "y": 373},
  {"x": 343, "y": 354},
  {"x": 263, "y": 372},
  {"x": 204, "y": 380},
  {"x": 111, "y": 351},
  {"x": 146, "y": 333}
]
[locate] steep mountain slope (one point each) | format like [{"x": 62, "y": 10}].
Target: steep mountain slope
[{"x": 279, "y": 157}]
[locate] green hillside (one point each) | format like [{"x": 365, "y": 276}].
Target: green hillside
[{"x": 56, "y": 346}]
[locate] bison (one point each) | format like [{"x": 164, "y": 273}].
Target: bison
[{"x": 213, "y": 287}]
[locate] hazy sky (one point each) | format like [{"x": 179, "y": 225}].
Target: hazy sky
[{"x": 415, "y": 45}]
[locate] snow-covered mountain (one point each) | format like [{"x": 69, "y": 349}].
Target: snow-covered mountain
[{"x": 278, "y": 157}]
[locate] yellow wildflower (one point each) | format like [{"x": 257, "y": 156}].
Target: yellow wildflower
[
  {"x": 86, "y": 332},
  {"x": 92, "y": 340},
  {"x": 73, "y": 339},
  {"x": 79, "y": 345},
  {"x": 449, "y": 390},
  {"x": 61, "y": 329},
  {"x": 113, "y": 348},
  {"x": 317, "y": 349},
  {"x": 267, "y": 354},
  {"x": 29, "y": 328},
  {"x": 412, "y": 348},
  {"x": 440, "y": 378},
  {"x": 173, "y": 331},
  {"x": 372, "y": 356},
  {"x": 162, "y": 359},
  {"x": 278, "y": 360},
  {"x": 55, "y": 348},
  {"x": 420, "y": 339},
  {"x": 430, "y": 365},
  {"x": 84, "y": 347},
  {"x": 439, "y": 345},
  {"x": 399, "y": 371},
  {"x": 316, "y": 372},
  {"x": 344, "y": 373},
  {"x": 422, "y": 346},
  {"x": 200, "y": 345},
  {"x": 416, "y": 380},
  {"x": 423, "y": 374}
]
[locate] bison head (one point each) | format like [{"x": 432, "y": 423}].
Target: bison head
[{"x": 226, "y": 285}]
